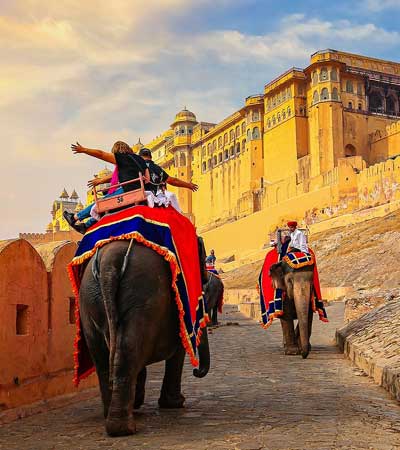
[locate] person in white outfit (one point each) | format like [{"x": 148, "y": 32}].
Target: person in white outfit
[{"x": 298, "y": 241}]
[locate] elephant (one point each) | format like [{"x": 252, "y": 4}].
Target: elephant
[
  {"x": 297, "y": 284},
  {"x": 213, "y": 293},
  {"x": 129, "y": 322}
]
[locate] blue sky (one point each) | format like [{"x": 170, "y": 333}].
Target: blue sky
[{"x": 100, "y": 71}]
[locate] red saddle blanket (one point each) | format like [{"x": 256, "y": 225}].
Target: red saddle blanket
[
  {"x": 271, "y": 299},
  {"x": 172, "y": 236}
]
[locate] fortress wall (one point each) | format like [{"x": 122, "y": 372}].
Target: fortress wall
[
  {"x": 37, "y": 238},
  {"x": 251, "y": 233},
  {"x": 36, "y": 336}
]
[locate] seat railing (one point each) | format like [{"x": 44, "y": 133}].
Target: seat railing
[{"x": 115, "y": 201}]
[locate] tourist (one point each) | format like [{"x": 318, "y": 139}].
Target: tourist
[
  {"x": 210, "y": 262},
  {"x": 298, "y": 242}
]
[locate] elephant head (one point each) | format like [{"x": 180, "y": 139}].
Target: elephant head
[{"x": 297, "y": 284}]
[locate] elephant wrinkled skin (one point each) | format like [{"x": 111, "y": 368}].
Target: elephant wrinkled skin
[
  {"x": 130, "y": 322},
  {"x": 297, "y": 285}
]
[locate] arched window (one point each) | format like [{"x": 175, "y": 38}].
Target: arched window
[
  {"x": 238, "y": 147},
  {"x": 301, "y": 111},
  {"x": 243, "y": 127},
  {"x": 243, "y": 145},
  {"x": 182, "y": 130},
  {"x": 214, "y": 160},
  {"x": 226, "y": 154},
  {"x": 232, "y": 151},
  {"x": 350, "y": 106},
  {"x": 214, "y": 145},
  {"x": 249, "y": 135},
  {"x": 204, "y": 166},
  {"x": 349, "y": 151},
  {"x": 182, "y": 160},
  {"x": 359, "y": 88},
  {"x": 225, "y": 138},
  {"x": 209, "y": 149},
  {"x": 273, "y": 120},
  {"x": 283, "y": 114},
  {"x": 315, "y": 77},
  {"x": 269, "y": 123},
  {"x": 190, "y": 130},
  {"x": 273, "y": 102},
  {"x": 360, "y": 107},
  {"x": 315, "y": 97},
  {"x": 289, "y": 111},
  {"x": 256, "y": 133},
  {"x": 231, "y": 135},
  {"x": 203, "y": 151},
  {"x": 324, "y": 94},
  {"x": 209, "y": 164},
  {"x": 334, "y": 75},
  {"x": 220, "y": 157},
  {"x": 278, "y": 117},
  {"x": 237, "y": 131},
  {"x": 256, "y": 116},
  {"x": 335, "y": 95},
  {"x": 390, "y": 106},
  {"x": 323, "y": 75},
  {"x": 220, "y": 141},
  {"x": 376, "y": 102},
  {"x": 349, "y": 87},
  {"x": 284, "y": 96}
]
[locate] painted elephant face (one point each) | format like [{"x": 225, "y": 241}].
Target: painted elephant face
[{"x": 277, "y": 275}]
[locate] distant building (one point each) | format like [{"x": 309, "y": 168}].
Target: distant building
[{"x": 64, "y": 203}]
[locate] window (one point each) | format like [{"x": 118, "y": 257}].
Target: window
[
  {"x": 350, "y": 106},
  {"x": 209, "y": 149},
  {"x": 220, "y": 157},
  {"x": 315, "y": 97},
  {"x": 349, "y": 151},
  {"x": 176, "y": 131},
  {"x": 376, "y": 102},
  {"x": 283, "y": 115},
  {"x": 182, "y": 130},
  {"x": 349, "y": 87},
  {"x": 182, "y": 160},
  {"x": 390, "y": 105},
  {"x": 279, "y": 116},
  {"x": 232, "y": 151},
  {"x": 323, "y": 75},
  {"x": 226, "y": 155},
  {"x": 314, "y": 77},
  {"x": 214, "y": 145},
  {"x": 225, "y": 138},
  {"x": 204, "y": 166},
  {"x": 220, "y": 141},
  {"x": 238, "y": 147},
  {"x": 21, "y": 323},
  {"x": 256, "y": 116},
  {"x": 334, "y": 76},
  {"x": 324, "y": 94},
  {"x": 273, "y": 120},
  {"x": 359, "y": 89},
  {"x": 335, "y": 95},
  {"x": 289, "y": 93},
  {"x": 269, "y": 123},
  {"x": 209, "y": 164},
  {"x": 301, "y": 111},
  {"x": 289, "y": 111},
  {"x": 243, "y": 145},
  {"x": 243, "y": 127},
  {"x": 237, "y": 131},
  {"x": 203, "y": 151},
  {"x": 360, "y": 107},
  {"x": 215, "y": 160},
  {"x": 256, "y": 133},
  {"x": 248, "y": 134},
  {"x": 190, "y": 130}
]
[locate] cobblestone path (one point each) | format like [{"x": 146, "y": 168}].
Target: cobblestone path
[{"x": 253, "y": 398}]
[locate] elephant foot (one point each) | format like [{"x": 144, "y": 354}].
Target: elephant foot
[
  {"x": 305, "y": 354},
  {"x": 169, "y": 402},
  {"x": 292, "y": 350},
  {"x": 120, "y": 427}
]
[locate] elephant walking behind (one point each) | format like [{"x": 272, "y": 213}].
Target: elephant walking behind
[{"x": 130, "y": 320}]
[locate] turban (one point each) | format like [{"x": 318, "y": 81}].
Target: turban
[{"x": 292, "y": 224}]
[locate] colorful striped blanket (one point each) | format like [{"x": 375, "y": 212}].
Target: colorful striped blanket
[{"x": 173, "y": 237}]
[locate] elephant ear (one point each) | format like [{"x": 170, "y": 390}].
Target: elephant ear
[{"x": 277, "y": 276}]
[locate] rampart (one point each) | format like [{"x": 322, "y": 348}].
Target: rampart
[{"x": 38, "y": 323}]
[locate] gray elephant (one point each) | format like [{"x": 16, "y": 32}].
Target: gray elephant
[
  {"x": 213, "y": 293},
  {"x": 130, "y": 322},
  {"x": 298, "y": 285}
]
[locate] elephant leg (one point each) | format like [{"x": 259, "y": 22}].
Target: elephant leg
[
  {"x": 214, "y": 316},
  {"x": 310, "y": 320},
  {"x": 171, "y": 395},
  {"x": 140, "y": 389},
  {"x": 289, "y": 338}
]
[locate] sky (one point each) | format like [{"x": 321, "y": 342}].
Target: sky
[{"x": 100, "y": 71}]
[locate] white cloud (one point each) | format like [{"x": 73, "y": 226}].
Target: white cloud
[
  {"x": 119, "y": 70},
  {"x": 381, "y": 5}
]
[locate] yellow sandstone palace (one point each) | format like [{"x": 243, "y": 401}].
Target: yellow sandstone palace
[
  {"x": 303, "y": 149},
  {"x": 320, "y": 142}
]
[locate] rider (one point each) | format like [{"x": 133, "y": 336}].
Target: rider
[
  {"x": 298, "y": 242},
  {"x": 210, "y": 262}
]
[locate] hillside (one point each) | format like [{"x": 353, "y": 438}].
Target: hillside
[{"x": 365, "y": 255}]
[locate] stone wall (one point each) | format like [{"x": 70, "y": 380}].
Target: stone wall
[
  {"x": 372, "y": 343},
  {"x": 38, "y": 327}
]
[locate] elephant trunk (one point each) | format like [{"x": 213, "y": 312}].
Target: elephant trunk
[
  {"x": 302, "y": 298},
  {"x": 204, "y": 356}
]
